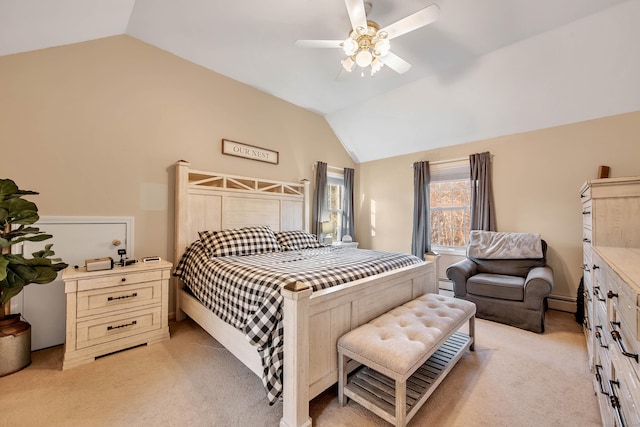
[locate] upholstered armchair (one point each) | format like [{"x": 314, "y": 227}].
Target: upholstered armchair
[{"x": 506, "y": 276}]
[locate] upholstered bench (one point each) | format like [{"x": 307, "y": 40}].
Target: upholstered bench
[{"x": 406, "y": 353}]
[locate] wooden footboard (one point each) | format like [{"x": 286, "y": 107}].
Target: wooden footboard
[{"x": 313, "y": 322}]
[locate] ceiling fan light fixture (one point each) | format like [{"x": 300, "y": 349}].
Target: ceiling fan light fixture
[
  {"x": 364, "y": 45},
  {"x": 367, "y": 44}
]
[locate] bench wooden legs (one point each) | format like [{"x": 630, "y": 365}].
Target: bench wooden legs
[
  {"x": 342, "y": 378},
  {"x": 401, "y": 403}
]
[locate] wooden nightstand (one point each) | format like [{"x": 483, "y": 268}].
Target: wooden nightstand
[
  {"x": 346, "y": 244},
  {"x": 112, "y": 310}
]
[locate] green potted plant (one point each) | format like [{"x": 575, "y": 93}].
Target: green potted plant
[{"x": 17, "y": 271}]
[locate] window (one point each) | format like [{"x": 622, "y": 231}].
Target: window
[
  {"x": 450, "y": 204},
  {"x": 335, "y": 199}
]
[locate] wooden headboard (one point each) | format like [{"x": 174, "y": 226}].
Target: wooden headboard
[{"x": 214, "y": 201}]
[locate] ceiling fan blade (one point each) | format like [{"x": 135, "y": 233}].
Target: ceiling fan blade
[
  {"x": 357, "y": 14},
  {"x": 412, "y": 22},
  {"x": 396, "y": 63},
  {"x": 319, "y": 43}
]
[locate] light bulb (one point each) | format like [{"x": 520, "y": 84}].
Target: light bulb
[
  {"x": 363, "y": 58},
  {"x": 350, "y": 46},
  {"x": 347, "y": 63},
  {"x": 376, "y": 65}
]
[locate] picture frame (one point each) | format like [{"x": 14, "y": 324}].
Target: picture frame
[{"x": 247, "y": 151}]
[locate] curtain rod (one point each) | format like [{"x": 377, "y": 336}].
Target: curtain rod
[
  {"x": 440, "y": 162},
  {"x": 335, "y": 168}
]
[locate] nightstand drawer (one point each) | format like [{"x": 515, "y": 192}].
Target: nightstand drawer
[
  {"x": 111, "y": 328},
  {"x": 118, "y": 278},
  {"x": 107, "y": 300}
]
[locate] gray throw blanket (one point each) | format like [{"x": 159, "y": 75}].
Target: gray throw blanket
[{"x": 500, "y": 245}]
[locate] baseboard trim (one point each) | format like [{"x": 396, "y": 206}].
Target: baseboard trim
[{"x": 561, "y": 303}]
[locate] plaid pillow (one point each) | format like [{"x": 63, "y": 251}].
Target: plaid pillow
[
  {"x": 240, "y": 241},
  {"x": 296, "y": 240}
]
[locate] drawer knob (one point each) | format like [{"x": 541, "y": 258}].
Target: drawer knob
[
  {"x": 610, "y": 295},
  {"x": 124, "y": 279}
]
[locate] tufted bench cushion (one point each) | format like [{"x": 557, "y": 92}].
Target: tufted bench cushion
[
  {"x": 400, "y": 341},
  {"x": 400, "y": 338}
]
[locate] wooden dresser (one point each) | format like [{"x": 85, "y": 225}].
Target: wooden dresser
[
  {"x": 112, "y": 310},
  {"x": 611, "y": 236}
]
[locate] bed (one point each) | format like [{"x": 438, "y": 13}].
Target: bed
[{"x": 312, "y": 320}]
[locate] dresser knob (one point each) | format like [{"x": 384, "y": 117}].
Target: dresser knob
[{"x": 124, "y": 279}]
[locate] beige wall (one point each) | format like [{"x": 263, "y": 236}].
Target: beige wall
[
  {"x": 95, "y": 128},
  {"x": 536, "y": 178}
]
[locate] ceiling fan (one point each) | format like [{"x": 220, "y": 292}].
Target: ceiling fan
[{"x": 368, "y": 45}]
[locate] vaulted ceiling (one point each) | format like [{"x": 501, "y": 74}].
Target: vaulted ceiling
[{"x": 483, "y": 69}]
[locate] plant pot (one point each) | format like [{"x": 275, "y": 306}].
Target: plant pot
[{"x": 15, "y": 344}]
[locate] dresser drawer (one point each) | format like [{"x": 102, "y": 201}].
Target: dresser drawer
[
  {"x": 110, "y": 328},
  {"x": 585, "y": 194},
  {"x": 600, "y": 284},
  {"x": 625, "y": 349},
  {"x": 602, "y": 333},
  {"x": 125, "y": 297},
  {"x": 625, "y": 304},
  {"x": 117, "y": 278},
  {"x": 587, "y": 214},
  {"x": 601, "y": 386},
  {"x": 626, "y": 389},
  {"x": 586, "y": 257}
]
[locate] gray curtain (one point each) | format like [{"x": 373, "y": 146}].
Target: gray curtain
[
  {"x": 348, "y": 221},
  {"x": 320, "y": 212},
  {"x": 483, "y": 215},
  {"x": 421, "y": 241}
]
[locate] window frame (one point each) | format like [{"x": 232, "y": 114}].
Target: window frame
[
  {"x": 334, "y": 178},
  {"x": 449, "y": 171}
]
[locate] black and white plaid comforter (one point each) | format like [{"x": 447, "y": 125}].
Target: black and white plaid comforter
[{"x": 244, "y": 291}]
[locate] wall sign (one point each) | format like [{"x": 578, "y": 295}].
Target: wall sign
[{"x": 247, "y": 151}]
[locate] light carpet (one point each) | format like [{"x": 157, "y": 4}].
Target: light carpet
[{"x": 514, "y": 378}]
